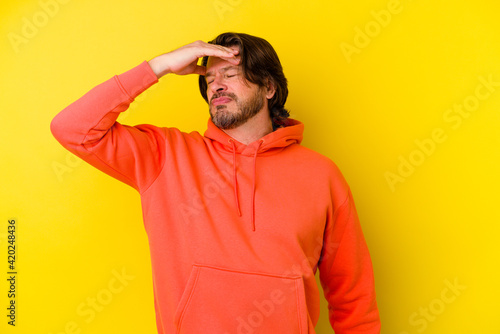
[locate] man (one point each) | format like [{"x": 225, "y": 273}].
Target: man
[{"x": 239, "y": 219}]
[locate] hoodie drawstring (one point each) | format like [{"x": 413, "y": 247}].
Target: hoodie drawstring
[
  {"x": 235, "y": 181},
  {"x": 253, "y": 187}
]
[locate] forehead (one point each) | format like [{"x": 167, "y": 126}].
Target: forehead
[{"x": 221, "y": 67}]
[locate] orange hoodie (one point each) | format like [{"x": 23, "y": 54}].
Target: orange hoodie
[{"x": 236, "y": 232}]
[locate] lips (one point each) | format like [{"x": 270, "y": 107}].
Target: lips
[{"x": 221, "y": 100}]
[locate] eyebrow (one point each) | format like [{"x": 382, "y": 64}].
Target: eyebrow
[{"x": 224, "y": 69}]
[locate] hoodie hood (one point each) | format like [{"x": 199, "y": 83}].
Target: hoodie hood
[
  {"x": 291, "y": 133},
  {"x": 282, "y": 137}
]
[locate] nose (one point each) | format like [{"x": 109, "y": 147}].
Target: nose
[{"x": 218, "y": 85}]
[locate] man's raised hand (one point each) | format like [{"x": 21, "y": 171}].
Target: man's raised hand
[{"x": 184, "y": 60}]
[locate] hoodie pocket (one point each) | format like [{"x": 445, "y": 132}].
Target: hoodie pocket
[{"x": 224, "y": 301}]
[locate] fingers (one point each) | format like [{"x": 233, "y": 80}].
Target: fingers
[
  {"x": 183, "y": 60},
  {"x": 233, "y": 60},
  {"x": 214, "y": 50}
]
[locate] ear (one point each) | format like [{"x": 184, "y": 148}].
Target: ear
[{"x": 270, "y": 89}]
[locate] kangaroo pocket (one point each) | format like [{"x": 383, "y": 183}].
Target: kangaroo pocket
[{"x": 225, "y": 301}]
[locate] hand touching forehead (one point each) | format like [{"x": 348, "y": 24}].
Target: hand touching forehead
[{"x": 216, "y": 61}]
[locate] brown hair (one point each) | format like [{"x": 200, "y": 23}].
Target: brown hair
[{"x": 259, "y": 62}]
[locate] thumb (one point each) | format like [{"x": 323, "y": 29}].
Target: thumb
[{"x": 201, "y": 70}]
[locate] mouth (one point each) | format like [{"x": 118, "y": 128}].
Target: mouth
[{"x": 221, "y": 100}]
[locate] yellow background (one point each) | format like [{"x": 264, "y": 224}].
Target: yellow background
[{"x": 366, "y": 109}]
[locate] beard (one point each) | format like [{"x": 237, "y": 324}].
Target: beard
[{"x": 225, "y": 119}]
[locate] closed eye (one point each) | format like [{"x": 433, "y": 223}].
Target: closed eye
[
  {"x": 230, "y": 75},
  {"x": 209, "y": 81}
]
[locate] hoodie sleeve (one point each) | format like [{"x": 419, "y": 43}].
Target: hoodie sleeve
[
  {"x": 88, "y": 128},
  {"x": 346, "y": 273}
]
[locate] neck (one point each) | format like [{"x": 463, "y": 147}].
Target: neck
[{"x": 253, "y": 129}]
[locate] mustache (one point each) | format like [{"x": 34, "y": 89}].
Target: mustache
[{"x": 230, "y": 95}]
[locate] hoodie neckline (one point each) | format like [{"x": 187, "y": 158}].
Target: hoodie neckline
[
  {"x": 291, "y": 133},
  {"x": 272, "y": 143}
]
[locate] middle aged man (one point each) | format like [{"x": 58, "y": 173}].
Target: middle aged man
[{"x": 238, "y": 219}]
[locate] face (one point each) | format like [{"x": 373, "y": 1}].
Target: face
[{"x": 232, "y": 99}]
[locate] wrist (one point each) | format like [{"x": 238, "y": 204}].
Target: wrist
[{"x": 158, "y": 67}]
